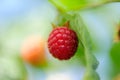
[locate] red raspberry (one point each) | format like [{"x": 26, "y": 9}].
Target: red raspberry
[{"x": 62, "y": 43}]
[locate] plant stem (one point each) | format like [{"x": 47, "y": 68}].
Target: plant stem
[
  {"x": 99, "y": 4},
  {"x": 92, "y": 65}
]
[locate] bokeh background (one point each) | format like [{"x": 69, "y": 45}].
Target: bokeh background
[{"x": 22, "y": 18}]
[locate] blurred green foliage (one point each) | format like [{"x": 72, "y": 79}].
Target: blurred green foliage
[
  {"x": 115, "y": 57},
  {"x": 11, "y": 68}
]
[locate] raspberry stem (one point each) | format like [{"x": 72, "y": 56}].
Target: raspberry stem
[
  {"x": 66, "y": 24},
  {"x": 54, "y": 26}
]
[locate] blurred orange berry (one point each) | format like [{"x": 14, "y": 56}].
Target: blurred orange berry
[{"x": 33, "y": 50}]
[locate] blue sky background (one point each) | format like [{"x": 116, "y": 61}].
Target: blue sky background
[{"x": 10, "y": 9}]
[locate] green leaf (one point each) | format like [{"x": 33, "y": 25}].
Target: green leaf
[
  {"x": 78, "y": 25},
  {"x": 67, "y": 5}
]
